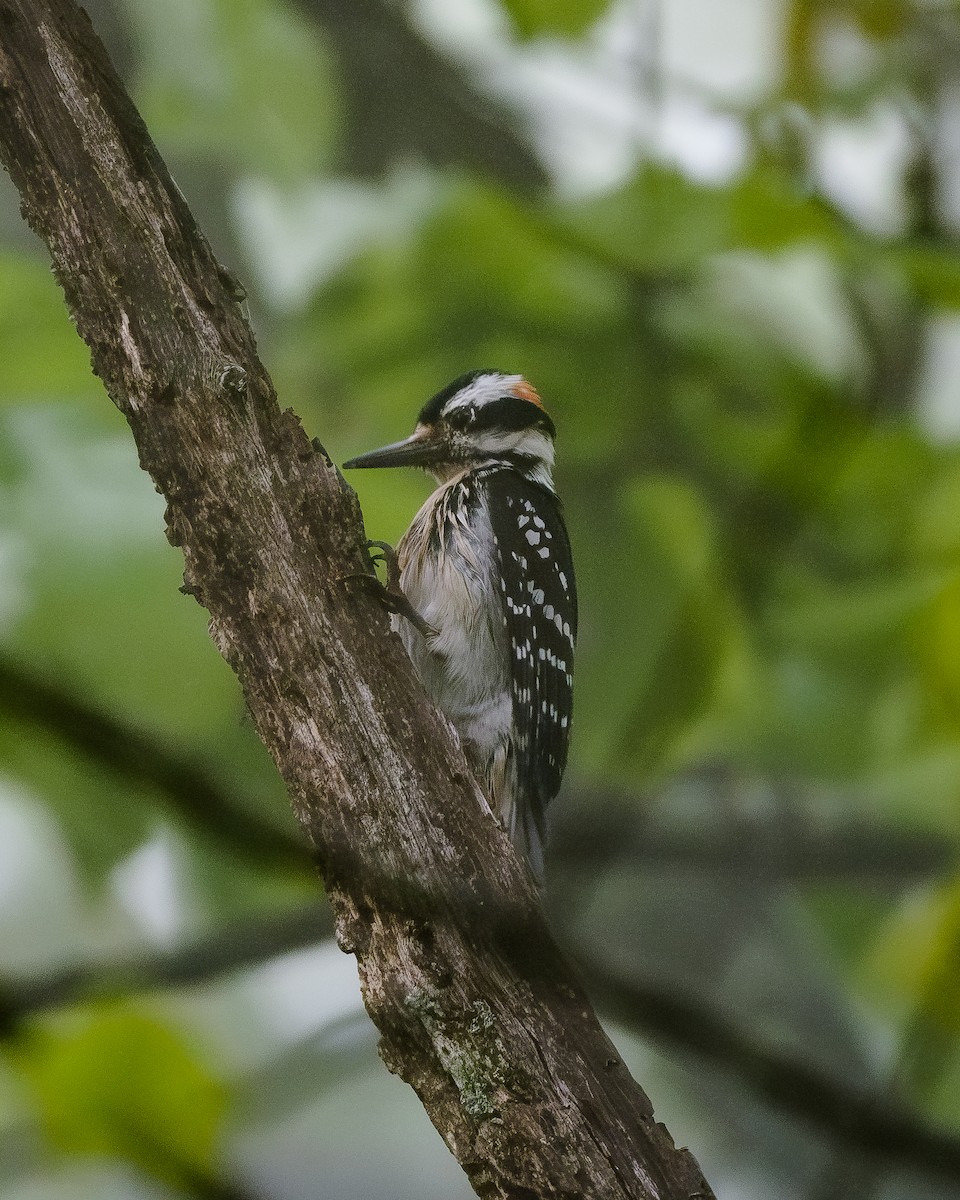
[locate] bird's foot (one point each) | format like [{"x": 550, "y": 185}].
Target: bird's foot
[
  {"x": 388, "y": 556},
  {"x": 390, "y": 594}
]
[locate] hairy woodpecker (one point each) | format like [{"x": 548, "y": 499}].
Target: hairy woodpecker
[{"x": 486, "y": 568}]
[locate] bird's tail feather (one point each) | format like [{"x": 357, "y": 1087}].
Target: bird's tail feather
[
  {"x": 522, "y": 816},
  {"x": 529, "y": 835}
]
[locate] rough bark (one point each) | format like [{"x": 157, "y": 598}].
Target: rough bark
[{"x": 475, "y": 1006}]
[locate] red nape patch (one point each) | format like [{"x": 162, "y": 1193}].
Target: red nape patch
[{"x": 526, "y": 391}]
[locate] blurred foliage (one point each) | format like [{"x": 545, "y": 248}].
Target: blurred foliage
[
  {"x": 145, "y": 1098},
  {"x": 754, "y": 378},
  {"x": 569, "y": 17},
  {"x": 238, "y": 82}
]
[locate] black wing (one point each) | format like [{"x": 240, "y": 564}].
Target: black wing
[{"x": 539, "y": 597}]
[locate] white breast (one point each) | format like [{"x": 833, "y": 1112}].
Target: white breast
[{"x": 449, "y": 581}]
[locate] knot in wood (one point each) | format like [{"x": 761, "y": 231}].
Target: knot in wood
[{"x": 233, "y": 380}]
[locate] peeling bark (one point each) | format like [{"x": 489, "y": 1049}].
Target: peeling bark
[{"x": 475, "y": 1006}]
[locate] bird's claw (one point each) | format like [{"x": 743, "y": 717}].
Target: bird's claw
[
  {"x": 388, "y": 556},
  {"x": 390, "y": 594}
]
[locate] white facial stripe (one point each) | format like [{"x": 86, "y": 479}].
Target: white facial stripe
[
  {"x": 483, "y": 390},
  {"x": 532, "y": 443}
]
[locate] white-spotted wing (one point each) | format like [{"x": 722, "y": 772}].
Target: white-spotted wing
[{"x": 539, "y": 597}]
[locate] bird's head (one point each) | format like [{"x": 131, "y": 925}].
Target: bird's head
[{"x": 481, "y": 417}]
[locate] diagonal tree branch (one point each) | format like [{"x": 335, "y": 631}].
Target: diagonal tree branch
[{"x": 475, "y": 1006}]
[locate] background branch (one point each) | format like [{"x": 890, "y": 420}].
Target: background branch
[
  {"x": 230, "y": 948},
  {"x": 596, "y": 828},
  {"x": 403, "y": 100},
  {"x": 187, "y": 786},
  {"x": 868, "y": 1122},
  {"x": 850, "y": 1116}
]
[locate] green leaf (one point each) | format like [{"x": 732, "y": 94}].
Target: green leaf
[
  {"x": 933, "y": 272},
  {"x": 867, "y": 617},
  {"x": 936, "y": 635},
  {"x": 665, "y": 614},
  {"x": 102, "y": 588},
  {"x": 662, "y": 221},
  {"x": 568, "y": 18},
  {"x": 43, "y": 355},
  {"x": 121, "y": 1084},
  {"x": 101, "y": 617},
  {"x": 239, "y": 80},
  {"x": 884, "y": 19},
  {"x": 400, "y": 323},
  {"x": 914, "y": 971}
]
